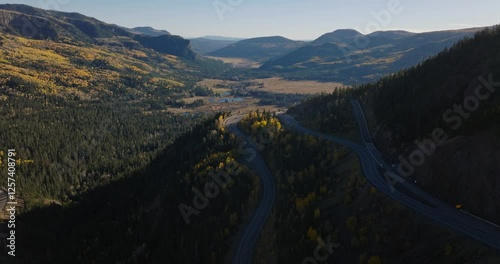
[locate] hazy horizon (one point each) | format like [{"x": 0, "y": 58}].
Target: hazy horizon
[{"x": 295, "y": 19}]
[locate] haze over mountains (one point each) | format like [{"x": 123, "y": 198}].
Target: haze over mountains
[
  {"x": 343, "y": 55},
  {"x": 349, "y": 56}
]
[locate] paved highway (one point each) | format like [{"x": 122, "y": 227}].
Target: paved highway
[
  {"x": 375, "y": 169},
  {"x": 245, "y": 247}
]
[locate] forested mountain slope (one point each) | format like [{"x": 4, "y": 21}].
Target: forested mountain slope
[
  {"x": 350, "y": 57},
  {"x": 453, "y": 94},
  {"x": 84, "y": 103},
  {"x": 157, "y": 214}
]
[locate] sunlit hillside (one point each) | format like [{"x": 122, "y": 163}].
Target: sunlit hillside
[{"x": 86, "y": 70}]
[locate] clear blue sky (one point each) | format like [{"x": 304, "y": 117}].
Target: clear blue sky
[{"x": 295, "y": 19}]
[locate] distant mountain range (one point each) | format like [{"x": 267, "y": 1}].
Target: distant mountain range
[
  {"x": 344, "y": 55},
  {"x": 259, "y": 49},
  {"x": 392, "y": 34},
  {"x": 205, "y": 45},
  {"x": 351, "y": 57},
  {"x": 222, "y": 38},
  {"x": 149, "y": 31}
]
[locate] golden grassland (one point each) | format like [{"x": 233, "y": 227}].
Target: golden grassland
[
  {"x": 248, "y": 105},
  {"x": 240, "y": 107},
  {"x": 281, "y": 86},
  {"x": 238, "y": 62},
  {"x": 211, "y": 83}
]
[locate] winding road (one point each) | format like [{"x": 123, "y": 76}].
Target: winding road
[
  {"x": 403, "y": 191},
  {"x": 244, "y": 250},
  {"x": 381, "y": 175}
]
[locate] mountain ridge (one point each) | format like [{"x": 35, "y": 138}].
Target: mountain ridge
[
  {"x": 258, "y": 49},
  {"x": 150, "y": 31},
  {"x": 340, "y": 35},
  {"x": 221, "y": 38},
  {"x": 351, "y": 57},
  {"x": 206, "y": 45},
  {"x": 34, "y": 23}
]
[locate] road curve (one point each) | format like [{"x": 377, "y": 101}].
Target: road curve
[
  {"x": 245, "y": 247},
  {"x": 375, "y": 169}
]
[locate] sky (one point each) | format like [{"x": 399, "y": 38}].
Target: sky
[{"x": 294, "y": 19}]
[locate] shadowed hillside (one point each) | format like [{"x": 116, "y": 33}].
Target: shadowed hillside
[
  {"x": 258, "y": 49},
  {"x": 454, "y": 93},
  {"x": 350, "y": 57}
]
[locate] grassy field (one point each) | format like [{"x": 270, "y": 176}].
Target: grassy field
[
  {"x": 278, "y": 85},
  {"x": 249, "y": 104},
  {"x": 190, "y": 100},
  {"x": 211, "y": 83},
  {"x": 238, "y": 62}
]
